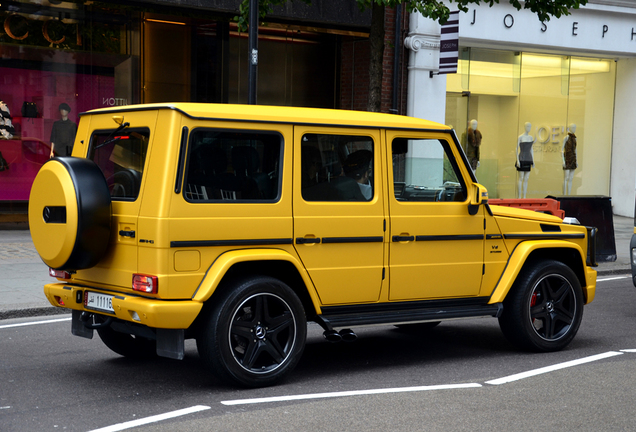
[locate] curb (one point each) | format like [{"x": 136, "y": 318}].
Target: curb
[{"x": 33, "y": 312}]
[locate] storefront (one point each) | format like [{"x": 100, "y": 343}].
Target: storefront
[
  {"x": 528, "y": 85},
  {"x": 537, "y": 114},
  {"x": 56, "y": 61}
]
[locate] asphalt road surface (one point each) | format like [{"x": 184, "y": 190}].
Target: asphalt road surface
[{"x": 459, "y": 376}]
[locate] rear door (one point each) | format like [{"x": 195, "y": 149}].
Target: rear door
[
  {"x": 122, "y": 154},
  {"x": 339, "y": 212},
  {"x": 436, "y": 247}
]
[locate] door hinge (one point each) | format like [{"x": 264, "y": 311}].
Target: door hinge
[
  {"x": 383, "y": 272},
  {"x": 483, "y": 269}
]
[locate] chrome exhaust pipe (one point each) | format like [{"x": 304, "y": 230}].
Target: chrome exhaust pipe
[
  {"x": 348, "y": 335},
  {"x": 332, "y": 336}
]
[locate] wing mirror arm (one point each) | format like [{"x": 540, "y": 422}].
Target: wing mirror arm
[{"x": 478, "y": 196}]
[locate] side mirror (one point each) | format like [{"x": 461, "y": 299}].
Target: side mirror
[{"x": 478, "y": 195}]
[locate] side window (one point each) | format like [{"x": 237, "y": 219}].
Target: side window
[
  {"x": 422, "y": 171},
  {"x": 121, "y": 156},
  {"x": 337, "y": 167},
  {"x": 233, "y": 166}
]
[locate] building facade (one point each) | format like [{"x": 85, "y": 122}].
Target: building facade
[
  {"x": 551, "y": 101},
  {"x": 82, "y": 55}
]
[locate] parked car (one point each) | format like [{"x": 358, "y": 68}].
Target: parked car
[{"x": 235, "y": 225}]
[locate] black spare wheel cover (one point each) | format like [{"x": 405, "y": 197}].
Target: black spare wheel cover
[{"x": 70, "y": 213}]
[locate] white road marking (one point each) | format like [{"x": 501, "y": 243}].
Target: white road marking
[
  {"x": 152, "y": 419},
  {"x": 34, "y": 323},
  {"x": 348, "y": 393},
  {"x": 612, "y": 278},
  {"x": 552, "y": 368},
  {"x": 499, "y": 381}
]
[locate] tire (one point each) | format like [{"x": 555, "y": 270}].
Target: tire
[
  {"x": 254, "y": 334},
  {"x": 127, "y": 345},
  {"x": 544, "y": 307},
  {"x": 70, "y": 213}
]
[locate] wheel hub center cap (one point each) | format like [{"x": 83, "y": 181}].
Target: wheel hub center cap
[
  {"x": 260, "y": 332},
  {"x": 549, "y": 307}
]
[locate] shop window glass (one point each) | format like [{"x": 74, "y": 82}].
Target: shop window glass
[
  {"x": 337, "y": 167},
  {"x": 57, "y": 61},
  {"x": 121, "y": 155},
  {"x": 552, "y": 96},
  {"x": 423, "y": 172},
  {"x": 229, "y": 167}
]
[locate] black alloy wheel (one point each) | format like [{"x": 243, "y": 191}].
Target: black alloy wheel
[
  {"x": 255, "y": 333},
  {"x": 544, "y": 308}
]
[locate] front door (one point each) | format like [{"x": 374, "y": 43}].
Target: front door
[
  {"x": 339, "y": 227},
  {"x": 436, "y": 248}
]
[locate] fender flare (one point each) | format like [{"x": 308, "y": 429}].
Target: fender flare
[
  {"x": 518, "y": 258},
  {"x": 225, "y": 261}
]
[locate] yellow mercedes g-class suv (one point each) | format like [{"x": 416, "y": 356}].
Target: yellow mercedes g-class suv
[{"x": 237, "y": 224}]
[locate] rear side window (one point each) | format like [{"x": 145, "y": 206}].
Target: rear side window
[
  {"x": 233, "y": 166},
  {"x": 337, "y": 167},
  {"x": 121, "y": 155}
]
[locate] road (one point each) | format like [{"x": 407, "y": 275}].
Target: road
[{"x": 442, "y": 379}]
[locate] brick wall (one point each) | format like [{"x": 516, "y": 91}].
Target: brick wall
[{"x": 354, "y": 68}]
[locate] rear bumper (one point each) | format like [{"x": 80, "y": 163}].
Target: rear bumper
[{"x": 166, "y": 314}]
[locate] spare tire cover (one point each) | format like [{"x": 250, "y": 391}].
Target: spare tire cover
[{"x": 70, "y": 213}]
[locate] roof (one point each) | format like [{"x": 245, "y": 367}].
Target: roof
[{"x": 284, "y": 114}]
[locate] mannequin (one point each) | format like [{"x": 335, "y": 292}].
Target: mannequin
[
  {"x": 6, "y": 128},
  {"x": 63, "y": 133},
  {"x": 568, "y": 155},
  {"x": 525, "y": 162},
  {"x": 473, "y": 143}
]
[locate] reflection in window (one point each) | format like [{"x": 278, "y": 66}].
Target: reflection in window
[
  {"x": 337, "y": 167},
  {"x": 233, "y": 166},
  {"x": 121, "y": 157},
  {"x": 422, "y": 171}
]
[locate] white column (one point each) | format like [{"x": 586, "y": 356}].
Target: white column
[
  {"x": 426, "y": 96},
  {"x": 623, "y": 175}
]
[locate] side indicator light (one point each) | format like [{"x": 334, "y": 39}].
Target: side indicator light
[
  {"x": 145, "y": 283},
  {"x": 59, "y": 300}
]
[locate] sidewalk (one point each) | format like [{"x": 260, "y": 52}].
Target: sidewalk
[{"x": 24, "y": 274}]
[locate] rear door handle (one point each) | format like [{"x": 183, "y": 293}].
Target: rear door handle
[
  {"x": 125, "y": 233},
  {"x": 399, "y": 238}
]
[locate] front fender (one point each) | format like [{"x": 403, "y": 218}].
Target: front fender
[
  {"x": 225, "y": 261},
  {"x": 520, "y": 255}
]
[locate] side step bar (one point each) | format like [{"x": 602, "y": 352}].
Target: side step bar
[{"x": 331, "y": 321}]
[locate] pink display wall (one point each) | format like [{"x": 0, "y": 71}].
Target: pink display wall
[{"x": 30, "y": 146}]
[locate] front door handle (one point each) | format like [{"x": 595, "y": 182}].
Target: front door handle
[
  {"x": 307, "y": 240},
  {"x": 125, "y": 233}
]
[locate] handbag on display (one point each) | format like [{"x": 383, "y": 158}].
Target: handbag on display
[{"x": 29, "y": 110}]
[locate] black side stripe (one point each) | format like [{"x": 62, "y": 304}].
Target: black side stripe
[
  {"x": 246, "y": 242},
  {"x": 546, "y": 236},
  {"x": 378, "y": 239},
  {"x": 450, "y": 237}
]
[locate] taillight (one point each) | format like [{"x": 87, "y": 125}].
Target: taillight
[
  {"x": 60, "y": 274},
  {"x": 145, "y": 283}
]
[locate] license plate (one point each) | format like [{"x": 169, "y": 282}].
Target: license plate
[{"x": 101, "y": 302}]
